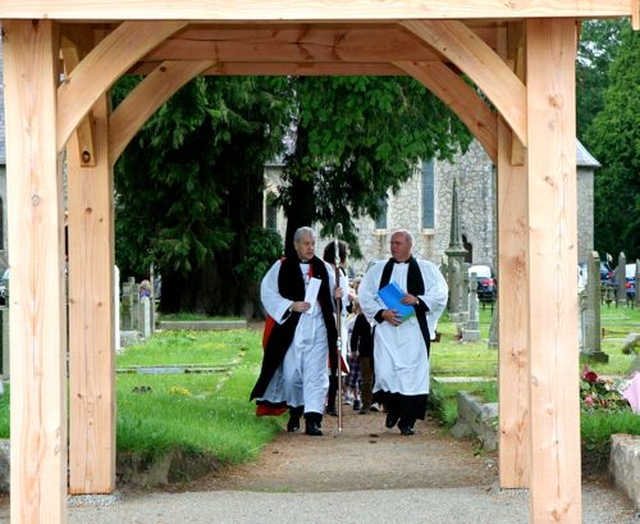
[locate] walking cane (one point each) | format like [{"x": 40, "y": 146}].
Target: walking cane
[{"x": 336, "y": 233}]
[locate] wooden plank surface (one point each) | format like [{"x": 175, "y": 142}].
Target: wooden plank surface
[
  {"x": 309, "y": 9},
  {"x": 514, "y": 465},
  {"x": 513, "y": 363},
  {"x": 553, "y": 310},
  {"x": 36, "y": 251},
  {"x": 92, "y": 403}
]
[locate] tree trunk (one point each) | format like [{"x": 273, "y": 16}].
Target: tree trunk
[{"x": 301, "y": 209}]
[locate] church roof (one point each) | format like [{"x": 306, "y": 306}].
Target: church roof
[{"x": 584, "y": 158}]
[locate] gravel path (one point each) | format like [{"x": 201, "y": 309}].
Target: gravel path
[{"x": 364, "y": 474}]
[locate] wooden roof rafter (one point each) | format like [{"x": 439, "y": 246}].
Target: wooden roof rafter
[
  {"x": 111, "y": 58},
  {"x": 280, "y": 49}
]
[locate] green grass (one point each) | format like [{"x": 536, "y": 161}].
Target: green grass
[
  {"x": 196, "y": 412},
  {"x": 596, "y": 430},
  {"x": 616, "y": 323},
  {"x": 215, "y": 349},
  {"x": 190, "y": 317}
]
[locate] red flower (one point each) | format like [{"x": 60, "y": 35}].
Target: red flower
[{"x": 589, "y": 375}]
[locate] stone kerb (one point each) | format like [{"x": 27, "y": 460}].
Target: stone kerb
[
  {"x": 624, "y": 465},
  {"x": 477, "y": 419}
]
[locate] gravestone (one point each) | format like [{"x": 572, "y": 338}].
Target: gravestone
[
  {"x": 145, "y": 317},
  {"x": 471, "y": 331},
  {"x": 590, "y": 302},
  {"x": 493, "y": 340},
  {"x": 456, "y": 271},
  {"x": 621, "y": 280}
]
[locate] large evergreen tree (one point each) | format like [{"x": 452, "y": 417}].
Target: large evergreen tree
[
  {"x": 189, "y": 191},
  {"x": 599, "y": 43},
  {"x": 189, "y": 187},
  {"x": 614, "y": 139},
  {"x": 355, "y": 139}
]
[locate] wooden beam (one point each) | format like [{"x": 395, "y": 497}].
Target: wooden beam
[
  {"x": 295, "y": 43},
  {"x": 285, "y": 69},
  {"x": 513, "y": 363},
  {"x": 102, "y": 67},
  {"x": 145, "y": 99},
  {"x": 477, "y": 60},
  {"x": 310, "y": 10},
  {"x": 635, "y": 14},
  {"x": 85, "y": 132},
  {"x": 36, "y": 257},
  {"x": 553, "y": 309},
  {"x": 514, "y": 457},
  {"x": 92, "y": 421},
  {"x": 461, "y": 98},
  {"x": 515, "y": 55}
]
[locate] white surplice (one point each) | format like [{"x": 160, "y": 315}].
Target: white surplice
[
  {"x": 400, "y": 353},
  {"x": 301, "y": 379}
]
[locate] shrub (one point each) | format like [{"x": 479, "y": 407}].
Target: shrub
[{"x": 601, "y": 394}]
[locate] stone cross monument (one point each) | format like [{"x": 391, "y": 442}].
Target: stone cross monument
[{"x": 457, "y": 277}]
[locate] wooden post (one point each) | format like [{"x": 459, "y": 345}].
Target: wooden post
[
  {"x": 553, "y": 241},
  {"x": 92, "y": 404},
  {"x": 513, "y": 328},
  {"x": 36, "y": 258},
  {"x": 513, "y": 372}
]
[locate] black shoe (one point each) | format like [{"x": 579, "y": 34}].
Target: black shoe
[
  {"x": 313, "y": 430},
  {"x": 331, "y": 411},
  {"x": 293, "y": 425},
  {"x": 407, "y": 430},
  {"x": 313, "y": 422},
  {"x": 391, "y": 420},
  {"x": 364, "y": 410},
  {"x": 294, "y": 419},
  {"x": 356, "y": 405}
]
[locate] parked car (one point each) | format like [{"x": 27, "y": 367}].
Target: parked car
[
  {"x": 605, "y": 272},
  {"x": 629, "y": 284},
  {"x": 630, "y": 280},
  {"x": 486, "y": 282}
]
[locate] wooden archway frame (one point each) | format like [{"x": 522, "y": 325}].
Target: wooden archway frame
[{"x": 533, "y": 141}]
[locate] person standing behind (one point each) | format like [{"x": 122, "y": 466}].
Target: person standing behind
[
  {"x": 329, "y": 256},
  {"x": 401, "y": 348},
  {"x": 294, "y": 365},
  {"x": 361, "y": 343}
]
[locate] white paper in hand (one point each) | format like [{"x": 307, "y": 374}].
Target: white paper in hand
[{"x": 311, "y": 296}]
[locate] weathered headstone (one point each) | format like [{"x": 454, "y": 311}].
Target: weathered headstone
[
  {"x": 636, "y": 276},
  {"x": 145, "y": 317},
  {"x": 621, "y": 280},
  {"x": 493, "y": 340},
  {"x": 456, "y": 253},
  {"x": 129, "y": 295},
  {"x": 471, "y": 331},
  {"x": 590, "y": 346}
]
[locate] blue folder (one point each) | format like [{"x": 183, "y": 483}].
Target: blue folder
[{"x": 391, "y": 294}]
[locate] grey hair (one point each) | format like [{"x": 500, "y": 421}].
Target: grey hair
[
  {"x": 302, "y": 231},
  {"x": 407, "y": 235}
]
